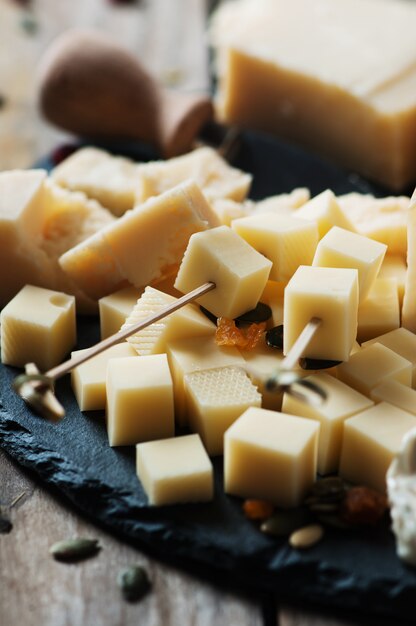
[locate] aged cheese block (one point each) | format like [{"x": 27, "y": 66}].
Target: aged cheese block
[
  {"x": 409, "y": 298},
  {"x": 143, "y": 246},
  {"x": 216, "y": 398},
  {"x": 287, "y": 241},
  {"x": 188, "y": 321},
  {"x": 139, "y": 399},
  {"x": 342, "y": 402},
  {"x": 115, "y": 308},
  {"x": 396, "y": 393},
  {"x": 380, "y": 311},
  {"x": 175, "y": 470},
  {"x": 394, "y": 266},
  {"x": 186, "y": 356},
  {"x": 89, "y": 379},
  {"x": 239, "y": 272},
  {"x": 37, "y": 325},
  {"x": 373, "y": 365},
  {"x": 205, "y": 166},
  {"x": 401, "y": 341},
  {"x": 326, "y": 212},
  {"x": 370, "y": 441},
  {"x": 347, "y": 91},
  {"x": 110, "y": 180},
  {"x": 330, "y": 294},
  {"x": 342, "y": 248},
  {"x": 263, "y": 445}
]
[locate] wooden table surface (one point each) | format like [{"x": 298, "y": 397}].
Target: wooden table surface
[{"x": 34, "y": 589}]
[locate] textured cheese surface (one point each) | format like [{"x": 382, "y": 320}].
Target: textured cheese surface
[
  {"x": 188, "y": 321},
  {"x": 397, "y": 394},
  {"x": 371, "y": 440},
  {"x": 380, "y": 311},
  {"x": 342, "y": 402},
  {"x": 115, "y": 308},
  {"x": 330, "y": 294},
  {"x": 239, "y": 272},
  {"x": 216, "y": 398},
  {"x": 175, "y": 470},
  {"x": 401, "y": 341},
  {"x": 263, "y": 444},
  {"x": 326, "y": 212}
]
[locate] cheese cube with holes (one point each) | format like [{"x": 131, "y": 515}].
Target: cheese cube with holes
[
  {"x": 330, "y": 294},
  {"x": 370, "y": 442},
  {"x": 216, "y": 398},
  {"x": 342, "y": 402},
  {"x": 270, "y": 455},
  {"x": 37, "y": 325},
  {"x": 239, "y": 272},
  {"x": 326, "y": 212},
  {"x": 396, "y": 393},
  {"x": 342, "y": 248},
  {"x": 115, "y": 308},
  {"x": 145, "y": 245},
  {"x": 287, "y": 241},
  {"x": 401, "y": 341},
  {"x": 187, "y": 321},
  {"x": 379, "y": 313},
  {"x": 175, "y": 470},
  {"x": 373, "y": 365},
  {"x": 89, "y": 379},
  {"x": 139, "y": 399},
  {"x": 188, "y": 355}
]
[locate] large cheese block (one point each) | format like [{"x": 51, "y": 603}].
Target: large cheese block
[{"x": 338, "y": 77}]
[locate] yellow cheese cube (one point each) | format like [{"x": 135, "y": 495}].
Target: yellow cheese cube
[
  {"x": 409, "y": 299},
  {"x": 143, "y": 246},
  {"x": 115, "y": 308},
  {"x": 401, "y": 341},
  {"x": 89, "y": 379},
  {"x": 239, "y": 272},
  {"x": 139, "y": 399},
  {"x": 397, "y": 394},
  {"x": 342, "y": 248},
  {"x": 270, "y": 455},
  {"x": 326, "y": 212},
  {"x": 273, "y": 295},
  {"x": 228, "y": 210},
  {"x": 373, "y": 365},
  {"x": 216, "y": 398},
  {"x": 175, "y": 470},
  {"x": 283, "y": 203},
  {"x": 394, "y": 266},
  {"x": 371, "y": 440},
  {"x": 342, "y": 402},
  {"x": 260, "y": 363},
  {"x": 205, "y": 166},
  {"x": 188, "y": 321},
  {"x": 110, "y": 180},
  {"x": 38, "y": 326},
  {"x": 189, "y": 355},
  {"x": 287, "y": 241},
  {"x": 380, "y": 311},
  {"x": 330, "y": 294}
]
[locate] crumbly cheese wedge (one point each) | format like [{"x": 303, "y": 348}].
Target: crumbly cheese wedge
[
  {"x": 397, "y": 394},
  {"x": 356, "y": 103},
  {"x": 205, "y": 166},
  {"x": 326, "y": 212},
  {"x": 143, "y": 246},
  {"x": 380, "y": 311},
  {"x": 110, "y": 180},
  {"x": 409, "y": 298},
  {"x": 401, "y": 341}
]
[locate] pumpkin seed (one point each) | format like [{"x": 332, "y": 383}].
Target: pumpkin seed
[
  {"x": 283, "y": 523},
  {"x": 262, "y": 313},
  {"x": 317, "y": 364},
  {"x": 306, "y": 537},
  {"x": 133, "y": 582},
  {"x": 274, "y": 337},
  {"x": 72, "y": 550}
]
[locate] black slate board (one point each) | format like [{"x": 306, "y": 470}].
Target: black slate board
[{"x": 347, "y": 570}]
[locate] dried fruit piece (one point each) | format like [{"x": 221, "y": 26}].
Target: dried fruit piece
[
  {"x": 307, "y": 536},
  {"x": 258, "y": 509},
  {"x": 133, "y": 582},
  {"x": 363, "y": 506},
  {"x": 227, "y": 334},
  {"x": 72, "y": 550}
]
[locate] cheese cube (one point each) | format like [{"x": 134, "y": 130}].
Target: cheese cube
[
  {"x": 370, "y": 442},
  {"x": 397, "y": 394},
  {"x": 373, "y": 365},
  {"x": 342, "y": 248},
  {"x": 175, "y": 470},
  {"x": 115, "y": 308},
  {"x": 342, "y": 402},
  {"x": 287, "y": 241},
  {"x": 284, "y": 203},
  {"x": 38, "y": 326},
  {"x": 239, "y": 272},
  {"x": 326, "y": 212},
  {"x": 380, "y": 311},
  {"x": 89, "y": 379},
  {"x": 216, "y": 398},
  {"x": 330, "y": 294},
  {"x": 259, "y": 364},
  {"x": 228, "y": 210},
  {"x": 401, "y": 341},
  {"x": 188, "y": 321},
  {"x": 394, "y": 266},
  {"x": 409, "y": 298},
  {"x": 139, "y": 400},
  {"x": 216, "y": 178},
  {"x": 143, "y": 246},
  {"x": 186, "y": 356},
  {"x": 273, "y": 295},
  {"x": 270, "y": 455}
]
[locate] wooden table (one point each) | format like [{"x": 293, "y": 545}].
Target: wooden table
[{"x": 34, "y": 589}]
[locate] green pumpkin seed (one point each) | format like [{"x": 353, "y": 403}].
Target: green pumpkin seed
[
  {"x": 72, "y": 550},
  {"x": 133, "y": 582}
]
